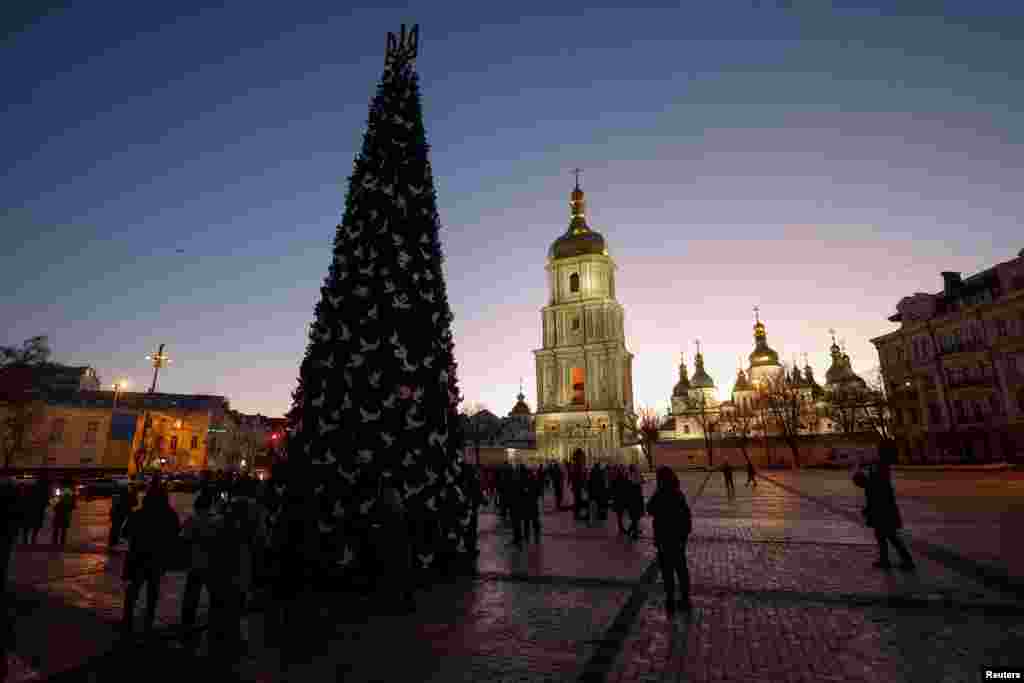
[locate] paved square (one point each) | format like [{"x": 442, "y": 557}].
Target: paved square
[{"x": 783, "y": 589}]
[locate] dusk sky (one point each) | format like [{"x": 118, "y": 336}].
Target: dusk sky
[{"x": 818, "y": 162}]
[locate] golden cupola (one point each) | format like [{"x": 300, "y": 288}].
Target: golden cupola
[
  {"x": 762, "y": 353},
  {"x": 578, "y": 239}
]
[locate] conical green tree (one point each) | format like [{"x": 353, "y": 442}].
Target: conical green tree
[{"x": 379, "y": 392}]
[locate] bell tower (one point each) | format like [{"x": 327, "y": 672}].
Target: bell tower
[{"x": 584, "y": 371}]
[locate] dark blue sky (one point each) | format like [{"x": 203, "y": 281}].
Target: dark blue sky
[{"x": 821, "y": 162}]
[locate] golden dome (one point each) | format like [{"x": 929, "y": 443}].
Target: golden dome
[
  {"x": 762, "y": 354},
  {"x": 578, "y": 239}
]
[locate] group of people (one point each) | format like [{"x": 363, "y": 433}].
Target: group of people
[{"x": 29, "y": 506}]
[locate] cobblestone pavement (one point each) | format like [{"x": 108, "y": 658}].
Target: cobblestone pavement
[{"x": 782, "y": 585}]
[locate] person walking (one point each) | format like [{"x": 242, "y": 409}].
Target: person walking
[
  {"x": 579, "y": 487},
  {"x": 200, "y": 532},
  {"x": 558, "y": 483},
  {"x": 62, "y": 510},
  {"x": 634, "y": 491},
  {"x": 672, "y": 526},
  {"x": 730, "y": 486},
  {"x": 751, "y": 475},
  {"x": 880, "y": 510},
  {"x": 533, "y": 496},
  {"x": 152, "y": 532},
  {"x": 36, "y": 503},
  {"x": 620, "y": 499},
  {"x": 230, "y": 575},
  {"x": 121, "y": 507}
]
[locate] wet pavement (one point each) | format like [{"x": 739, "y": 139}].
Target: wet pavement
[{"x": 783, "y": 590}]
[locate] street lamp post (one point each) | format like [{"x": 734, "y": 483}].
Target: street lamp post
[{"x": 118, "y": 387}]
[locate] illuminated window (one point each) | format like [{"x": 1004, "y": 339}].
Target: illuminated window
[
  {"x": 574, "y": 282},
  {"x": 578, "y": 386},
  {"x": 90, "y": 432},
  {"x": 195, "y": 442},
  {"x": 686, "y": 429},
  {"x": 174, "y": 443}
]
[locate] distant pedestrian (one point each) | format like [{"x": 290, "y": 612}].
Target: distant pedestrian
[
  {"x": 533, "y": 496},
  {"x": 620, "y": 500},
  {"x": 120, "y": 508},
  {"x": 36, "y": 503},
  {"x": 634, "y": 500},
  {"x": 881, "y": 512},
  {"x": 730, "y": 486},
  {"x": 558, "y": 482},
  {"x": 751, "y": 475},
  {"x": 152, "y": 532},
  {"x": 62, "y": 509},
  {"x": 672, "y": 526},
  {"x": 581, "y": 507}
]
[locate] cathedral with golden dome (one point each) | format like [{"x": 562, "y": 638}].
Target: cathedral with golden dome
[
  {"x": 584, "y": 370},
  {"x": 696, "y": 402}
]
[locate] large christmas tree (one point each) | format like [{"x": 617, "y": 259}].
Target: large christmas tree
[{"x": 379, "y": 397}]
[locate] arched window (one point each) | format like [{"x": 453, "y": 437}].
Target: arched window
[
  {"x": 686, "y": 429},
  {"x": 574, "y": 282}
]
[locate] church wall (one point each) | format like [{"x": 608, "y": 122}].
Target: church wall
[{"x": 814, "y": 450}]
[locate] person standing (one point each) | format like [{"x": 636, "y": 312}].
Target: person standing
[
  {"x": 62, "y": 510},
  {"x": 122, "y": 506},
  {"x": 199, "y": 531},
  {"x": 36, "y": 503},
  {"x": 751, "y": 475},
  {"x": 730, "y": 486},
  {"x": 881, "y": 512},
  {"x": 634, "y": 491},
  {"x": 620, "y": 499},
  {"x": 672, "y": 526},
  {"x": 152, "y": 531},
  {"x": 558, "y": 482},
  {"x": 230, "y": 574},
  {"x": 533, "y": 495},
  {"x": 10, "y": 519}
]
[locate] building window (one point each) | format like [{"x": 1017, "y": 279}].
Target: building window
[
  {"x": 686, "y": 428},
  {"x": 578, "y": 386},
  {"x": 174, "y": 443},
  {"x": 90, "y": 432},
  {"x": 979, "y": 415},
  {"x": 574, "y": 282},
  {"x": 195, "y": 442},
  {"x": 934, "y": 413},
  {"x": 57, "y": 431},
  {"x": 914, "y": 416},
  {"x": 575, "y": 324},
  {"x": 159, "y": 442},
  {"x": 1001, "y": 328}
]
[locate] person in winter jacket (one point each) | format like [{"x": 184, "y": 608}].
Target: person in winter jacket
[
  {"x": 200, "y": 532},
  {"x": 36, "y": 503},
  {"x": 634, "y": 492},
  {"x": 62, "y": 509},
  {"x": 152, "y": 534},
  {"x": 672, "y": 526},
  {"x": 122, "y": 506},
  {"x": 881, "y": 512}
]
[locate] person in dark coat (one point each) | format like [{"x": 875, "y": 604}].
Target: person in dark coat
[
  {"x": 672, "y": 526},
  {"x": 518, "y": 492},
  {"x": 581, "y": 505},
  {"x": 634, "y": 492},
  {"x": 152, "y": 533},
  {"x": 751, "y": 475},
  {"x": 36, "y": 503},
  {"x": 199, "y": 531},
  {"x": 881, "y": 512},
  {"x": 598, "y": 491},
  {"x": 558, "y": 483},
  {"x": 620, "y": 499},
  {"x": 730, "y": 486},
  {"x": 533, "y": 494},
  {"x": 124, "y": 504},
  {"x": 62, "y": 509}
]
